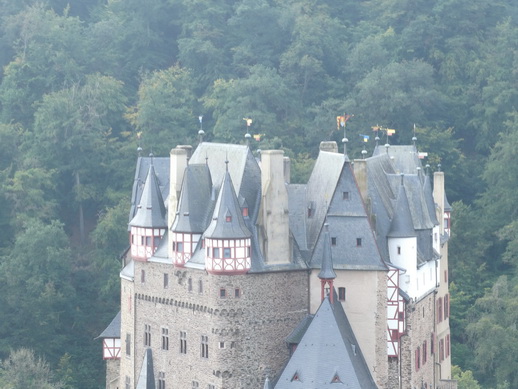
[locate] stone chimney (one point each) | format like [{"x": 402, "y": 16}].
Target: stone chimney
[
  {"x": 287, "y": 170},
  {"x": 274, "y": 208},
  {"x": 438, "y": 196},
  {"x": 360, "y": 173},
  {"x": 330, "y": 146},
  {"x": 178, "y": 163}
]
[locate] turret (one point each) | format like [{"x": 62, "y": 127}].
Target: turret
[
  {"x": 327, "y": 274},
  {"x": 193, "y": 211},
  {"x": 227, "y": 239},
  {"x": 149, "y": 223},
  {"x": 402, "y": 238}
]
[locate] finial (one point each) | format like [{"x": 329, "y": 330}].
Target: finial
[
  {"x": 247, "y": 139},
  {"x": 439, "y": 167},
  {"x": 139, "y": 151},
  {"x": 387, "y": 147},
  {"x": 226, "y": 161},
  {"x": 151, "y": 156},
  {"x": 377, "y": 139},
  {"x": 364, "y": 153}
]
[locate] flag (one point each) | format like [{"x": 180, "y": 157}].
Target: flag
[
  {"x": 422, "y": 155},
  {"x": 248, "y": 121},
  {"x": 257, "y": 137},
  {"x": 375, "y": 128},
  {"x": 390, "y": 131},
  {"x": 340, "y": 121},
  {"x": 200, "y": 118},
  {"x": 365, "y": 137}
]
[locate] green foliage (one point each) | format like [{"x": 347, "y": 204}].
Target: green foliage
[
  {"x": 496, "y": 313},
  {"x": 23, "y": 370}
]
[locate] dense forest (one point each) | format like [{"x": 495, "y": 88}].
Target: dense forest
[{"x": 84, "y": 83}]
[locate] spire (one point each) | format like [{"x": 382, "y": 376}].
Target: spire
[
  {"x": 267, "y": 384},
  {"x": 151, "y": 210},
  {"x": 402, "y": 225},
  {"x": 227, "y": 220},
  {"x": 146, "y": 379},
  {"x": 326, "y": 269}
]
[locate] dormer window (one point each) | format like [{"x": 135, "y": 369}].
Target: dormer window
[
  {"x": 336, "y": 380},
  {"x": 345, "y": 195},
  {"x": 333, "y": 241},
  {"x": 245, "y": 212},
  {"x": 358, "y": 242},
  {"x": 228, "y": 218}
]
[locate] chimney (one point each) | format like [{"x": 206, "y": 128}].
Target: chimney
[
  {"x": 438, "y": 196},
  {"x": 330, "y": 146},
  {"x": 178, "y": 163},
  {"x": 274, "y": 208},
  {"x": 287, "y": 170},
  {"x": 360, "y": 173}
]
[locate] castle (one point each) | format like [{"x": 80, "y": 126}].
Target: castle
[{"x": 236, "y": 278}]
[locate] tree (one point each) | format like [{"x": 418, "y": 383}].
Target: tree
[
  {"x": 23, "y": 370},
  {"x": 166, "y": 112}
]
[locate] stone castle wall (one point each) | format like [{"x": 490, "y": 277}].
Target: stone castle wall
[{"x": 245, "y": 330}]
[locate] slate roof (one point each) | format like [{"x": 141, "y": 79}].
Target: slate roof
[
  {"x": 384, "y": 182},
  {"x": 227, "y": 220},
  {"x": 146, "y": 379},
  {"x": 195, "y": 204},
  {"x": 161, "y": 165},
  {"x": 348, "y": 221},
  {"x": 328, "y": 350},
  {"x": 114, "y": 328},
  {"x": 151, "y": 210},
  {"x": 326, "y": 269},
  {"x": 401, "y": 225}
]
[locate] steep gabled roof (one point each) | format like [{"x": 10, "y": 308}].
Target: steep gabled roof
[
  {"x": 146, "y": 379},
  {"x": 354, "y": 245},
  {"x": 151, "y": 209},
  {"x": 227, "y": 220},
  {"x": 195, "y": 205},
  {"x": 327, "y": 353},
  {"x": 114, "y": 328}
]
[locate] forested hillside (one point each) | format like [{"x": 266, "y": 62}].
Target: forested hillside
[{"x": 86, "y": 82}]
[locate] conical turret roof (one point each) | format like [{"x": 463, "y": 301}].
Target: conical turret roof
[
  {"x": 146, "y": 379},
  {"x": 227, "y": 220},
  {"x": 402, "y": 225},
  {"x": 151, "y": 209},
  {"x": 326, "y": 270}
]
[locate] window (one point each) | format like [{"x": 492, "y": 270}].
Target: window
[
  {"x": 128, "y": 382},
  {"x": 228, "y": 218},
  {"x": 424, "y": 352},
  {"x": 341, "y": 294},
  {"x": 226, "y": 252},
  {"x": 237, "y": 293},
  {"x": 142, "y": 276},
  {"x": 166, "y": 280},
  {"x": 345, "y": 195},
  {"x": 221, "y": 344},
  {"x": 358, "y": 242},
  {"x": 446, "y": 306},
  {"x": 398, "y": 250},
  {"x": 148, "y": 241},
  {"x": 245, "y": 212},
  {"x": 211, "y": 386},
  {"x": 200, "y": 286},
  {"x": 432, "y": 343},
  {"x": 441, "y": 350},
  {"x": 195, "y": 385},
  {"x": 417, "y": 359},
  {"x": 222, "y": 293},
  {"x": 204, "y": 346},
  {"x": 183, "y": 342},
  {"x": 128, "y": 344},
  {"x": 189, "y": 284},
  {"x": 439, "y": 310},
  {"x": 447, "y": 348},
  {"x": 161, "y": 380},
  {"x": 147, "y": 335},
  {"x": 446, "y": 276},
  {"x": 179, "y": 247},
  {"x": 165, "y": 339},
  {"x": 215, "y": 252},
  {"x": 333, "y": 241}
]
